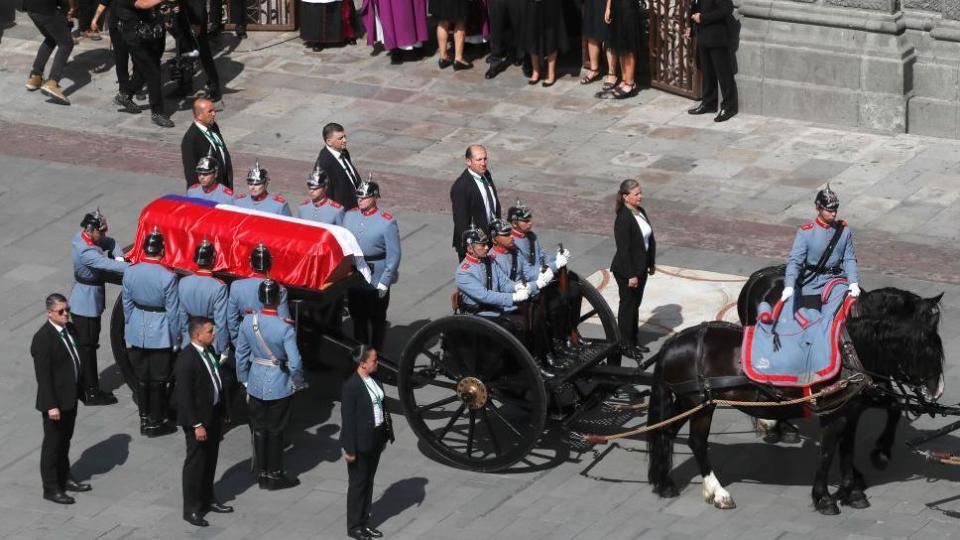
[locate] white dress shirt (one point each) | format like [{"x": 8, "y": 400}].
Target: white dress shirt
[
  {"x": 211, "y": 136},
  {"x": 376, "y": 397},
  {"x": 76, "y": 360},
  {"x": 644, "y": 228},
  {"x": 214, "y": 375}
]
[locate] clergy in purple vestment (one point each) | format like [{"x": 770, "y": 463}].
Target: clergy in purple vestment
[{"x": 398, "y": 24}]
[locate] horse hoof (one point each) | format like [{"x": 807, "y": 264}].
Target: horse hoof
[
  {"x": 856, "y": 500},
  {"x": 771, "y": 437},
  {"x": 725, "y": 503},
  {"x": 879, "y": 459},
  {"x": 827, "y": 507},
  {"x": 667, "y": 491},
  {"x": 790, "y": 437}
]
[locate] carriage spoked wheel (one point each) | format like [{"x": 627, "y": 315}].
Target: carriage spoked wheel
[
  {"x": 472, "y": 393},
  {"x": 598, "y": 323}
]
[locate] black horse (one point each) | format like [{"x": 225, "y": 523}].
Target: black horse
[
  {"x": 896, "y": 338},
  {"x": 765, "y": 285}
]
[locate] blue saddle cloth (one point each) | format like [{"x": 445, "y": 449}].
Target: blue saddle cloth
[{"x": 809, "y": 351}]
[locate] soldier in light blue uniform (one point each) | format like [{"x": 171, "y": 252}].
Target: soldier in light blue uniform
[
  {"x": 318, "y": 207},
  {"x": 505, "y": 256},
  {"x": 243, "y": 296},
  {"x": 257, "y": 196},
  {"x": 93, "y": 252},
  {"x": 268, "y": 364},
  {"x": 207, "y": 187},
  {"x": 378, "y": 234},
  {"x": 202, "y": 295},
  {"x": 809, "y": 246},
  {"x": 527, "y": 243},
  {"x": 151, "y": 311}
]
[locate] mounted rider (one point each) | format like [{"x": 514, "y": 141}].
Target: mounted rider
[{"x": 822, "y": 251}]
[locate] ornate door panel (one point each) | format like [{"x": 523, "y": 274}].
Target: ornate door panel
[
  {"x": 277, "y": 15},
  {"x": 672, "y": 58}
]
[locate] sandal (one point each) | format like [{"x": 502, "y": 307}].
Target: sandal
[
  {"x": 620, "y": 93},
  {"x": 607, "y": 86},
  {"x": 587, "y": 79}
]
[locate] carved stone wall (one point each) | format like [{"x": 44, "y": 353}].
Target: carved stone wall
[{"x": 890, "y": 65}]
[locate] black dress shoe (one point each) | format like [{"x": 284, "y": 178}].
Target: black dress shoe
[
  {"x": 373, "y": 532},
  {"x": 195, "y": 518},
  {"x": 58, "y": 497},
  {"x": 359, "y": 534},
  {"x": 396, "y": 58},
  {"x": 161, "y": 120},
  {"x": 240, "y": 31},
  {"x": 160, "y": 429},
  {"x": 460, "y": 66},
  {"x": 280, "y": 480},
  {"x": 99, "y": 397},
  {"x": 219, "y": 508},
  {"x": 444, "y": 63},
  {"x": 725, "y": 114},
  {"x": 701, "y": 109},
  {"x": 73, "y": 485},
  {"x": 495, "y": 69}
]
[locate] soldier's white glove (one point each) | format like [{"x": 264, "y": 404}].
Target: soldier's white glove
[
  {"x": 787, "y": 293},
  {"x": 119, "y": 258},
  {"x": 562, "y": 258},
  {"x": 518, "y": 286},
  {"x": 521, "y": 295},
  {"x": 382, "y": 290},
  {"x": 854, "y": 290},
  {"x": 223, "y": 358},
  {"x": 544, "y": 278}
]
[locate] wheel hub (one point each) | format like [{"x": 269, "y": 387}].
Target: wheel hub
[{"x": 472, "y": 392}]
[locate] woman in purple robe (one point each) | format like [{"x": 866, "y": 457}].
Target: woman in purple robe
[{"x": 399, "y": 25}]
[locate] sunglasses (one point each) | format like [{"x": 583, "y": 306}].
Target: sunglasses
[{"x": 60, "y": 311}]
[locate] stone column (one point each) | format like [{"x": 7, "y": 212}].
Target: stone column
[
  {"x": 935, "y": 105},
  {"x": 844, "y": 62}
]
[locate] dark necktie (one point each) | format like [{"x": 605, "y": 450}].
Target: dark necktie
[
  {"x": 214, "y": 366},
  {"x": 345, "y": 158},
  {"x": 490, "y": 198},
  {"x": 73, "y": 351}
]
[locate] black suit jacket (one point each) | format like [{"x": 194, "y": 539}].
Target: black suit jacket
[
  {"x": 468, "y": 204},
  {"x": 58, "y": 385},
  {"x": 716, "y": 17},
  {"x": 632, "y": 259},
  {"x": 194, "y": 391},
  {"x": 356, "y": 416},
  {"x": 195, "y": 145},
  {"x": 340, "y": 188}
]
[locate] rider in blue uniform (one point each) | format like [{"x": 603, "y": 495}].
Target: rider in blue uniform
[
  {"x": 268, "y": 365},
  {"x": 805, "y": 271},
  {"x": 257, "y": 196},
  {"x": 378, "y": 234},
  {"x": 207, "y": 187},
  {"x": 202, "y": 295},
  {"x": 507, "y": 258},
  {"x": 319, "y": 207},
  {"x": 151, "y": 311},
  {"x": 243, "y": 295},
  {"x": 527, "y": 242},
  {"x": 93, "y": 252}
]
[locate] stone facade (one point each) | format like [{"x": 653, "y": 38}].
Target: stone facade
[{"x": 888, "y": 65}]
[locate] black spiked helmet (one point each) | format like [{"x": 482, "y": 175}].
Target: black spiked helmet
[
  {"x": 153, "y": 243},
  {"x": 256, "y": 175},
  {"x": 368, "y": 189},
  {"x": 827, "y": 199},
  {"x": 269, "y": 293},
  {"x": 473, "y": 235},
  {"x": 207, "y": 164},
  {"x": 260, "y": 259},
  {"x": 205, "y": 254},
  {"x": 94, "y": 221},
  {"x": 499, "y": 227},
  {"x": 318, "y": 177},
  {"x": 519, "y": 212}
]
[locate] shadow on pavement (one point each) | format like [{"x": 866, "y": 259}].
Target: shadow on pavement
[
  {"x": 102, "y": 457},
  {"x": 398, "y": 497}
]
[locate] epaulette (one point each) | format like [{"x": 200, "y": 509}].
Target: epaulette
[
  {"x": 289, "y": 321},
  {"x": 465, "y": 266},
  {"x": 354, "y": 209},
  {"x": 248, "y": 312},
  {"x": 227, "y": 190},
  {"x": 335, "y": 204},
  {"x": 386, "y": 215},
  {"x": 242, "y": 195},
  {"x": 305, "y": 201},
  {"x": 278, "y": 198},
  {"x": 807, "y": 226}
]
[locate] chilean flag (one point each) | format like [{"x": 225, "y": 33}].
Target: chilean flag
[{"x": 305, "y": 253}]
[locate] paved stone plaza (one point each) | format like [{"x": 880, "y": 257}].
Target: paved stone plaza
[{"x": 722, "y": 198}]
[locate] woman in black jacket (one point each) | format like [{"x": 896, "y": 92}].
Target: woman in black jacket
[{"x": 634, "y": 260}]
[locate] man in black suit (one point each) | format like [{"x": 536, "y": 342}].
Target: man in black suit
[
  {"x": 474, "y": 197},
  {"x": 712, "y": 21},
  {"x": 202, "y": 136},
  {"x": 365, "y": 430},
  {"x": 201, "y": 407},
  {"x": 57, "y": 365},
  {"x": 335, "y": 160}
]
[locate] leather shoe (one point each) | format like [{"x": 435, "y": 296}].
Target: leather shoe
[
  {"x": 641, "y": 348},
  {"x": 73, "y": 485},
  {"x": 280, "y": 480},
  {"x": 373, "y": 532},
  {"x": 725, "y": 114},
  {"x": 495, "y": 69},
  {"x": 359, "y": 534},
  {"x": 99, "y": 397},
  {"x": 219, "y": 508},
  {"x": 444, "y": 63},
  {"x": 196, "y": 518},
  {"x": 58, "y": 497},
  {"x": 701, "y": 109}
]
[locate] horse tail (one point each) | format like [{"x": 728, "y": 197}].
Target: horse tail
[{"x": 660, "y": 441}]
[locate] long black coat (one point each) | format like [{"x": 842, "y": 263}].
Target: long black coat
[
  {"x": 340, "y": 188},
  {"x": 632, "y": 258},
  {"x": 58, "y": 385},
  {"x": 715, "y": 22},
  {"x": 194, "y": 391},
  {"x": 356, "y": 416},
  {"x": 195, "y": 145},
  {"x": 468, "y": 205}
]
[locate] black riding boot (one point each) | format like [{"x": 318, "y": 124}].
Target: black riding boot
[
  {"x": 260, "y": 457},
  {"x": 143, "y": 404},
  {"x": 276, "y": 477},
  {"x": 158, "y": 411}
]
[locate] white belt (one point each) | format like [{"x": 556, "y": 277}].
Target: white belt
[{"x": 265, "y": 362}]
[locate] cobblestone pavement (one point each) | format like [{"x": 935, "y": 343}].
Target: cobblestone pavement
[{"x": 724, "y": 198}]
